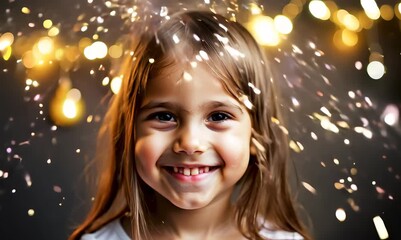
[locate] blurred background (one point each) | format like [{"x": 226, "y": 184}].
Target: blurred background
[{"x": 338, "y": 64}]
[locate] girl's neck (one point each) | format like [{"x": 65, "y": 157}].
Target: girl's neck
[
  {"x": 214, "y": 221},
  {"x": 215, "y": 218}
]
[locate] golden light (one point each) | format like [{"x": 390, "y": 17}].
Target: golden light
[
  {"x": 90, "y": 53},
  {"x": 83, "y": 43},
  {"x": 54, "y": 31},
  {"x": 291, "y": 10},
  {"x": 376, "y": 70},
  {"x": 69, "y": 109},
  {"x": 28, "y": 59},
  {"x": 371, "y": 9},
  {"x": 72, "y": 53},
  {"x": 25, "y": 10},
  {"x": 115, "y": 84},
  {"x": 365, "y": 22},
  {"x": 47, "y": 23},
  {"x": 6, "y": 40},
  {"x": 67, "y": 106},
  {"x": 264, "y": 31},
  {"x": 319, "y": 10},
  {"x": 7, "y": 53},
  {"x": 351, "y": 22},
  {"x": 255, "y": 9},
  {"x": 98, "y": 50},
  {"x": 105, "y": 81},
  {"x": 45, "y": 45},
  {"x": 283, "y": 24},
  {"x": 386, "y": 12},
  {"x": 397, "y": 10},
  {"x": 339, "y": 16},
  {"x": 116, "y": 51},
  {"x": 380, "y": 227},
  {"x": 59, "y": 54},
  {"x": 349, "y": 38}
]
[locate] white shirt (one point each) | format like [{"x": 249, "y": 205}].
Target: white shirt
[{"x": 114, "y": 231}]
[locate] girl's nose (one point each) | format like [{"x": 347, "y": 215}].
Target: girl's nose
[{"x": 190, "y": 140}]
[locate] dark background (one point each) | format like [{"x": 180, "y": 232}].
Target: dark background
[{"x": 59, "y": 196}]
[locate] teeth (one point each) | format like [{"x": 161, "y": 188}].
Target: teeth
[
  {"x": 187, "y": 171},
  {"x": 191, "y": 171},
  {"x": 194, "y": 171}
]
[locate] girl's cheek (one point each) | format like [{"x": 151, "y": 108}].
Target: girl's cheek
[
  {"x": 234, "y": 150},
  {"x": 148, "y": 150}
]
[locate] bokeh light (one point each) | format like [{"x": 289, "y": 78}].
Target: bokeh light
[
  {"x": 283, "y": 24},
  {"x": 319, "y": 10},
  {"x": 264, "y": 30},
  {"x": 380, "y": 227},
  {"x": 115, "y": 84},
  {"x": 6, "y": 39},
  {"x": 371, "y": 9},
  {"x": 375, "y": 70},
  {"x": 341, "y": 215}
]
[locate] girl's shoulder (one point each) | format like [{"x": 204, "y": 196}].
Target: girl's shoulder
[
  {"x": 267, "y": 232},
  {"x": 111, "y": 231},
  {"x": 279, "y": 235},
  {"x": 114, "y": 231}
]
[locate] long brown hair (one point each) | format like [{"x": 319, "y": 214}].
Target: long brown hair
[{"x": 236, "y": 59}]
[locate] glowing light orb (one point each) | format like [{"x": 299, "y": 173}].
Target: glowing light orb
[
  {"x": 341, "y": 215},
  {"x": 375, "y": 70},
  {"x": 47, "y": 23},
  {"x": 264, "y": 31},
  {"x": 31, "y": 212},
  {"x": 115, "y": 84},
  {"x": 391, "y": 115},
  {"x": 386, "y": 12},
  {"x": 45, "y": 45},
  {"x": 371, "y": 9},
  {"x": 283, "y": 24},
  {"x": 349, "y": 38},
  {"x": 319, "y": 10},
  {"x": 69, "y": 109},
  {"x": 6, "y": 40}
]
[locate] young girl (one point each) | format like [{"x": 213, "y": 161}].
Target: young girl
[{"x": 197, "y": 146}]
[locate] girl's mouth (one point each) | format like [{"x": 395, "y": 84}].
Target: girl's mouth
[{"x": 191, "y": 171}]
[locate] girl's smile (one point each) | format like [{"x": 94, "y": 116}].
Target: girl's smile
[{"x": 193, "y": 137}]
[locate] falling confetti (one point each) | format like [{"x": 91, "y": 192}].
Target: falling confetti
[{"x": 322, "y": 109}]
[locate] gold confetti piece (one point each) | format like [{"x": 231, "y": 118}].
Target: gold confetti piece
[
  {"x": 380, "y": 227},
  {"x": 338, "y": 185},
  {"x": 309, "y": 187},
  {"x": 354, "y": 171},
  {"x": 353, "y": 205}
]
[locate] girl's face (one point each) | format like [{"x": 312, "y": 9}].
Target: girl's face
[{"x": 193, "y": 138}]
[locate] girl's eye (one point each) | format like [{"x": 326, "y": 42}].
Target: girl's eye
[
  {"x": 219, "y": 117},
  {"x": 162, "y": 116}
]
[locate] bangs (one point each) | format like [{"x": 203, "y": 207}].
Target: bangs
[{"x": 192, "y": 42}]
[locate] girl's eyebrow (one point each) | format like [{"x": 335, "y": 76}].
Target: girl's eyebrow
[
  {"x": 207, "y": 105},
  {"x": 157, "y": 104},
  {"x": 227, "y": 104}
]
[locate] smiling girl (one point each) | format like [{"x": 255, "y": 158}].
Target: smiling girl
[{"x": 197, "y": 147}]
